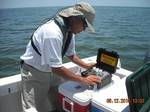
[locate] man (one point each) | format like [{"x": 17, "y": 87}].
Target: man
[{"x": 42, "y": 61}]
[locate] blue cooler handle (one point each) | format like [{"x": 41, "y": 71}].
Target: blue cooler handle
[{"x": 68, "y": 101}]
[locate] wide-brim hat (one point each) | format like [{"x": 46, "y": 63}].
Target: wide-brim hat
[{"x": 81, "y": 9}]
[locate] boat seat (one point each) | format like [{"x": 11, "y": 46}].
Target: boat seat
[{"x": 138, "y": 89}]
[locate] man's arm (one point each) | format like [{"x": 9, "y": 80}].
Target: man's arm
[
  {"x": 78, "y": 61},
  {"x": 64, "y": 72}
]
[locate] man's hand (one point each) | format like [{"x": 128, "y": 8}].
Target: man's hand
[{"x": 90, "y": 80}]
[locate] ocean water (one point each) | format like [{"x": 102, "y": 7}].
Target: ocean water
[{"x": 125, "y": 30}]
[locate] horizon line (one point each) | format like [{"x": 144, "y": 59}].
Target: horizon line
[{"x": 68, "y": 5}]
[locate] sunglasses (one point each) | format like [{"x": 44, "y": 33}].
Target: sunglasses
[{"x": 84, "y": 21}]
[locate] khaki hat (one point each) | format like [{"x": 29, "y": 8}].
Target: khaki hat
[{"x": 81, "y": 9}]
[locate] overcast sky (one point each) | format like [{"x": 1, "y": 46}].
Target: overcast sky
[{"x": 41, "y": 3}]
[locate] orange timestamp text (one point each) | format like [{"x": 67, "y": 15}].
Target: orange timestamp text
[{"x": 125, "y": 100}]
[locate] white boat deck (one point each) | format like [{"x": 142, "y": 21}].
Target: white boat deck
[{"x": 10, "y": 86}]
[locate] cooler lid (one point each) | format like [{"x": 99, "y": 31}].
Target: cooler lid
[
  {"x": 76, "y": 92},
  {"x": 112, "y": 99}
]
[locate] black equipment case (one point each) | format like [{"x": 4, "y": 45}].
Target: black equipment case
[
  {"x": 138, "y": 89},
  {"x": 107, "y": 60}
]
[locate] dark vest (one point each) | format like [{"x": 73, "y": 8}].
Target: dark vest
[{"x": 67, "y": 36}]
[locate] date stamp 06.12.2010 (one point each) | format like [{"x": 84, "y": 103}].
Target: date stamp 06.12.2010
[{"x": 125, "y": 100}]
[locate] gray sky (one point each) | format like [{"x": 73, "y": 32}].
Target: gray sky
[{"x": 41, "y": 3}]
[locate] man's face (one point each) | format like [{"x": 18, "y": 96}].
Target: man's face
[{"x": 76, "y": 25}]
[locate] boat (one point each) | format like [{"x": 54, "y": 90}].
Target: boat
[{"x": 10, "y": 95}]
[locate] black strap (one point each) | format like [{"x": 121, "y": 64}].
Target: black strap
[
  {"x": 34, "y": 47},
  {"x": 67, "y": 43},
  {"x": 60, "y": 26},
  {"x": 66, "y": 38}
]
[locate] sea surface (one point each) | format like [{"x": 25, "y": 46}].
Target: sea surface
[{"x": 125, "y": 30}]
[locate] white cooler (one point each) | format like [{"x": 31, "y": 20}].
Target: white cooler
[
  {"x": 112, "y": 99},
  {"x": 74, "y": 97}
]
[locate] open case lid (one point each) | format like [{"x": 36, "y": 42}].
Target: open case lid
[{"x": 107, "y": 60}]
